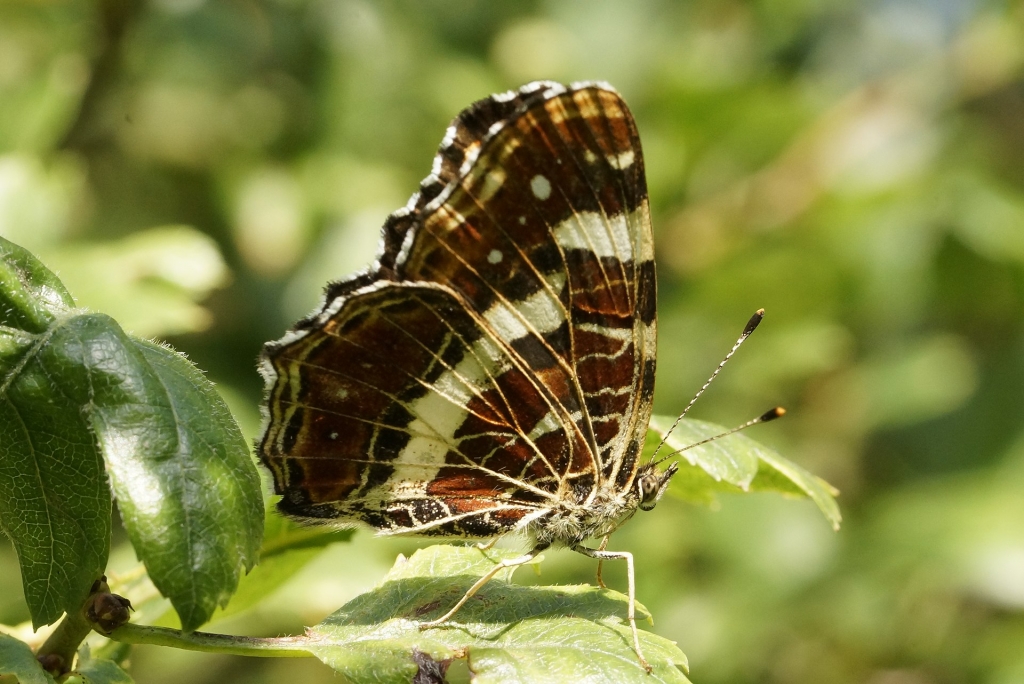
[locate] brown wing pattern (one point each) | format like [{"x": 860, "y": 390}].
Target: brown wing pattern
[
  {"x": 550, "y": 239},
  {"x": 499, "y": 357},
  {"x": 399, "y": 411}
]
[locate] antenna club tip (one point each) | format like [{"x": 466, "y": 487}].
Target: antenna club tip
[
  {"x": 776, "y": 412},
  {"x": 754, "y": 321}
]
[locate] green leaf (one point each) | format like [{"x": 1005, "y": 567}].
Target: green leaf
[
  {"x": 99, "y": 670},
  {"x": 17, "y": 659},
  {"x": 735, "y": 464},
  {"x": 509, "y": 633},
  {"x": 81, "y": 391},
  {"x": 30, "y": 293},
  {"x": 54, "y": 499},
  {"x": 187, "y": 489}
]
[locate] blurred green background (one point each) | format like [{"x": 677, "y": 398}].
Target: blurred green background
[{"x": 200, "y": 168}]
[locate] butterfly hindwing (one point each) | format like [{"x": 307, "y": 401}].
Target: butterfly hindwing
[{"x": 402, "y": 399}]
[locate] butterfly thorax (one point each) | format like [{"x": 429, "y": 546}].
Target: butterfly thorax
[{"x": 573, "y": 523}]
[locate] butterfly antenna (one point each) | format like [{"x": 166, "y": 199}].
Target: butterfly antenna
[
  {"x": 752, "y": 324},
  {"x": 766, "y": 417}
]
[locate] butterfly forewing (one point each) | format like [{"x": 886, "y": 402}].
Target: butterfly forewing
[
  {"x": 548, "y": 235},
  {"x": 500, "y": 358}
]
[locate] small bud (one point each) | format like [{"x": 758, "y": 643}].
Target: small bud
[
  {"x": 53, "y": 663},
  {"x": 107, "y": 612}
]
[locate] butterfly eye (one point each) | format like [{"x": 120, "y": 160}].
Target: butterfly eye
[{"x": 649, "y": 486}]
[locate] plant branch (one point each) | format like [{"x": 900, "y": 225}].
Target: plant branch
[
  {"x": 280, "y": 647},
  {"x": 58, "y": 651}
]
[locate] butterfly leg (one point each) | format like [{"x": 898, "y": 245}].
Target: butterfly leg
[
  {"x": 600, "y": 563},
  {"x": 602, "y": 555},
  {"x": 487, "y": 546},
  {"x": 507, "y": 563}
]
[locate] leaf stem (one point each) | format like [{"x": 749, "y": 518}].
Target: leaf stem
[
  {"x": 58, "y": 651},
  {"x": 279, "y": 647}
]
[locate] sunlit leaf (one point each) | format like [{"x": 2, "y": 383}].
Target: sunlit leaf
[
  {"x": 30, "y": 294},
  {"x": 509, "y": 633},
  {"x": 188, "y": 492},
  {"x": 734, "y": 463},
  {"x": 80, "y": 392},
  {"x": 54, "y": 499}
]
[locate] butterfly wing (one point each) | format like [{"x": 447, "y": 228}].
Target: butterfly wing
[
  {"x": 499, "y": 357},
  {"x": 404, "y": 411},
  {"x": 544, "y": 227}
]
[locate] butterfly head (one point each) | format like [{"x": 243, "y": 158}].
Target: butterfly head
[{"x": 651, "y": 484}]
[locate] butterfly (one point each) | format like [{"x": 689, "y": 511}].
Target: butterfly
[{"x": 493, "y": 370}]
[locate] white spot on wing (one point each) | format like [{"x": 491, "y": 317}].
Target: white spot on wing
[
  {"x": 403, "y": 252},
  {"x": 589, "y": 230},
  {"x": 603, "y": 85},
  {"x": 542, "y": 311},
  {"x": 620, "y": 334},
  {"x": 541, "y": 187},
  {"x": 549, "y": 423},
  {"x": 553, "y": 89},
  {"x": 449, "y": 136},
  {"x": 494, "y": 257},
  {"x": 505, "y": 322},
  {"x": 623, "y": 160}
]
